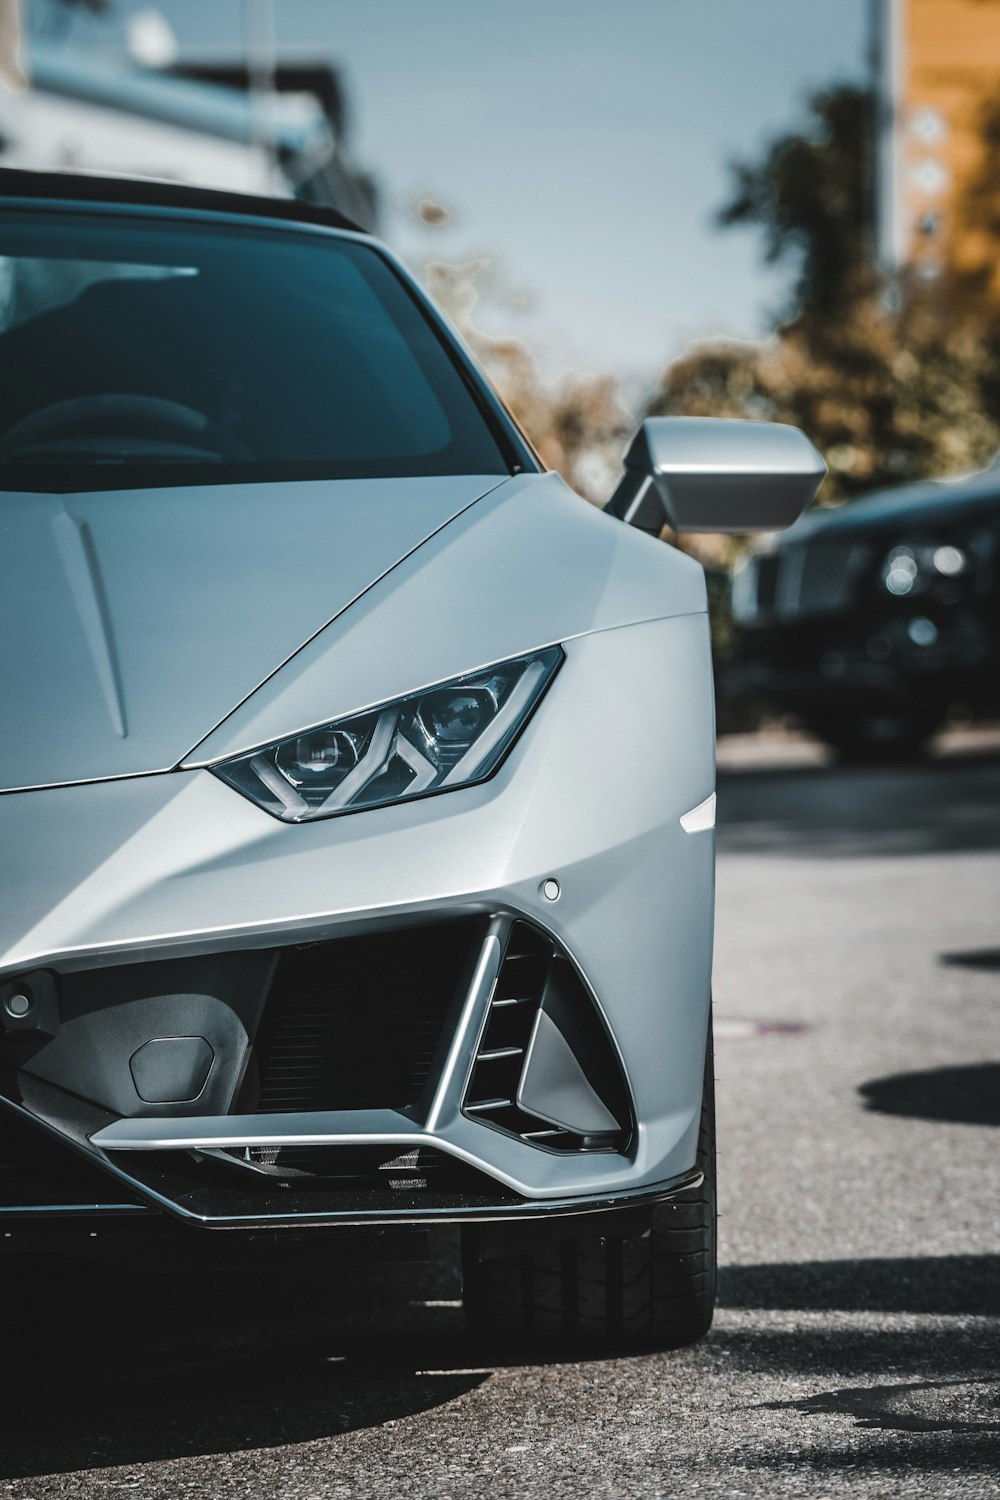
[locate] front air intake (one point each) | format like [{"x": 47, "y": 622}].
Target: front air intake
[
  {"x": 546, "y": 1069},
  {"x": 356, "y": 1023}
]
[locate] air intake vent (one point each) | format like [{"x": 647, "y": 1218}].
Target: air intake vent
[
  {"x": 255, "y": 1183},
  {"x": 355, "y": 1023},
  {"x": 546, "y": 1069},
  {"x": 380, "y": 1169}
]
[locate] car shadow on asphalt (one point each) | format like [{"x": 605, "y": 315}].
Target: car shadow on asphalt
[
  {"x": 966, "y": 1095},
  {"x": 899, "y": 1429},
  {"x": 117, "y": 1370},
  {"x": 106, "y": 1367},
  {"x": 955, "y": 1405},
  {"x": 927, "y": 1398},
  {"x": 950, "y": 805},
  {"x": 879, "y": 1449},
  {"x": 972, "y": 958},
  {"x": 942, "y": 1284}
]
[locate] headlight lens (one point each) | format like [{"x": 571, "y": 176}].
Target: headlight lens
[
  {"x": 914, "y": 567},
  {"x": 450, "y": 735},
  {"x": 901, "y": 571}
]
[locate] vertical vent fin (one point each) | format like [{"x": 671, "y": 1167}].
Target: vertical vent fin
[{"x": 535, "y": 972}]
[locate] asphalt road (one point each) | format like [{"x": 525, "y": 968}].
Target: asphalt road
[{"x": 856, "y": 1349}]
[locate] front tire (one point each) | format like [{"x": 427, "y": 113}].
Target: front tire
[{"x": 596, "y": 1287}]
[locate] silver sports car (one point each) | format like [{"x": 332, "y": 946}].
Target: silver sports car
[{"x": 357, "y": 813}]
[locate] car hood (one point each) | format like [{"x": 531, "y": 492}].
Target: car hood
[{"x": 133, "y": 621}]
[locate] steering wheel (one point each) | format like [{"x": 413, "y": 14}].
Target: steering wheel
[{"x": 123, "y": 416}]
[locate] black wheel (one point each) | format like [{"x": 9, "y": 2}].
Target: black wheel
[
  {"x": 609, "y": 1280},
  {"x": 881, "y": 735}
]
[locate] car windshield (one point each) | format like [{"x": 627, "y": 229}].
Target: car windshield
[{"x": 150, "y": 351}]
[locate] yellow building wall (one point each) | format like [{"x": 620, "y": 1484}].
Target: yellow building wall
[{"x": 950, "y": 73}]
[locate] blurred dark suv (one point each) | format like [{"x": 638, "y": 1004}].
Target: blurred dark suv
[{"x": 870, "y": 621}]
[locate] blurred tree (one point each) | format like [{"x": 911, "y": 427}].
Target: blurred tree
[
  {"x": 889, "y": 393},
  {"x": 811, "y": 194},
  {"x": 577, "y": 423}
]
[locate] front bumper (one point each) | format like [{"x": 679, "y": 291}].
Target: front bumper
[{"x": 137, "y": 876}]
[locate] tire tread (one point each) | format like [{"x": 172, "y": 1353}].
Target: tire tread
[{"x": 655, "y": 1290}]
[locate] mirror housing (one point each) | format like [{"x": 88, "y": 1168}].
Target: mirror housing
[{"x": 715, "y": 474}]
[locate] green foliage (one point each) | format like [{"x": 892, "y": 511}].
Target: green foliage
[
  {"x": 576, "y": 424},
  {"x": 891, "y": 389},
  {"x": 811, "y": 193},
  {"x": 889, "y": 393}
]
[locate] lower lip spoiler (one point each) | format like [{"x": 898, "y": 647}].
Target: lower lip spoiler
[
  {"x": 142, "y": 1139},
  {"x": 383, "y": 1127},
  {"x": 553, "y": 1208}
]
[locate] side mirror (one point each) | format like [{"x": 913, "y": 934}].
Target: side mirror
[{"x": 713, "y": 474}]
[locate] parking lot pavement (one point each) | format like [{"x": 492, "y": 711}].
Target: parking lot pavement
[{"x": 856, "y": 1349}]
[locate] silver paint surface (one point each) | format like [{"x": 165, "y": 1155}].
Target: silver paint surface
[
  {"x": 528, "y": 566},
  {"x": 148, "y": 634},
  {"x": 716, "y": 474},
  {"x": 132, "y": 622},
  {"x": 620, "y": 749}
]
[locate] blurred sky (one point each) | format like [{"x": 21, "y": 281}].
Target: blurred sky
[{"x": 582, "y": 144}]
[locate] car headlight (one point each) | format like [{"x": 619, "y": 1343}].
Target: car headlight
[
  {"x": 447, "y": 736},
  {"x": 914, "y": 567}
]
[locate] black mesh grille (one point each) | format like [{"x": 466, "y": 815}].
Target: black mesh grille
[
  {"x": 829, "y": 570},
  {"x": 355, "y": 1024},
  {"x": 813, "y": 578},
  {"x": 492, "y": 1092}
]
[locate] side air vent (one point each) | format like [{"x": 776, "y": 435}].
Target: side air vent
[{"x": 545, "y": 1069}]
